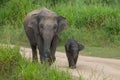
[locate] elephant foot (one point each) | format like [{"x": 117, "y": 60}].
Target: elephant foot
[
  {"x": 53, "y": 59},
  {"x": 46, "y": 61},
  {"x": 72, "y": 67},
  {"x": 35, "y": 60}
]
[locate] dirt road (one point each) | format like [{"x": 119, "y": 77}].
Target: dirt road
[{"x": 90, "y": 68}]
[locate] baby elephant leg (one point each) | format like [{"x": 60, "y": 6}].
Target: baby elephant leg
[
  {"x": 71, "y": 62},
  {"x": 75, "y": 59}
]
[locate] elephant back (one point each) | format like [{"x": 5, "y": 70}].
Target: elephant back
[{"x": 41, "y": 12}]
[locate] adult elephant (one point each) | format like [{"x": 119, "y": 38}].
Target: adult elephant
[{"x": 42, "y": 28}]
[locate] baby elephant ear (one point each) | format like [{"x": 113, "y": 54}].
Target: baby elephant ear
[
  {"x": 67, "y": 47},
  {"x": 62, "y": 23},
  {"x": 81, "y": 47}
]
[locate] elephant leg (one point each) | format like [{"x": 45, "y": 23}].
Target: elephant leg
[
  {"x": 34, "y": 53},
  {"x": 32, "y": 40},
  {"x": 41, "y": 59},
  {"x": 41, "y": 56},
  {"x": 75, "y": 59},
  {"x": 72, "y": 64},
  {"x": 71, "y": 61},
  {"x": 53, "y": 48}
]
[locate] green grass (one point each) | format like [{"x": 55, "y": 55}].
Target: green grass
[
  {"x": 9, "y": 59},
  {"x": 105, "y": 52},
  {"x": 96, "y": 24},
  {"x": 14, "y": 67},
  {"x": 35, "y": 71},
  {"x": 11, "y": 35}
]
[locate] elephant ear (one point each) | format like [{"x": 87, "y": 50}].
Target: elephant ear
[
  {"x": 80, "y": 46},
  {"x": 33, "y": 23},
  {"x": 62, "y": 23},
  {"x": 67, "y": 46}
]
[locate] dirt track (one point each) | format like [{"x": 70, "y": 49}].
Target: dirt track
[{"x": 91, "y": 68}]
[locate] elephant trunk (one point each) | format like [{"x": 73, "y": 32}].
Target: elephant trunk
[{"x": 47, "y": 38}]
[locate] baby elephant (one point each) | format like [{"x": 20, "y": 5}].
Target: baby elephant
[{"x": 72, "y": 48}]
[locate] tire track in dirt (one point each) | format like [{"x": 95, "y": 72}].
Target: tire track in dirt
[{"x": 90, "y": 68}]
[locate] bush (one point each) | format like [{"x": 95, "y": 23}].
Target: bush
[
  {"x": 91, "y": 18},
  {"x": 14, "y": 67},
  {"x": 98, "y": 24},
  {"x": 9, "y": 59}
]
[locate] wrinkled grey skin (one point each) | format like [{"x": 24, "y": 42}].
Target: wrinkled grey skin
[
  {"x": 72, "y": 48},
  {"x": 42, "y": 28}
]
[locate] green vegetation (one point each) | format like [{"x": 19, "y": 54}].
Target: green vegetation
[
  {"x": 105, "y": 52},
  {"x": 94, "y": 23},
  {"x": 91, "y": 22},
  {"x": 14, "y": 67}
]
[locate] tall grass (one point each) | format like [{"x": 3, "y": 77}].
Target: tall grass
[
  {"x": 11, "y": 35},
  {"x": 93, "y": 25},
  {"x": 9, "y": 59},
  {"x": 96, "y": 24},
  {"x": 14, "y": 67}
]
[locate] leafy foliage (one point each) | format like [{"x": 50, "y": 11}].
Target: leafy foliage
[{"x": 97, "y": 22}]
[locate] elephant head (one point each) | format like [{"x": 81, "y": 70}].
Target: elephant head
[
  {"x": 46, "y": 26},
  {"x": 74, "y": 47},
  {"x": 48, "y": 30}
]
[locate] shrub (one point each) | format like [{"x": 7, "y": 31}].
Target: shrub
[
  {"x": 9, "y": 59},
  {"x": 14, "y": 67},
  {"x": 91, "y": 18}
]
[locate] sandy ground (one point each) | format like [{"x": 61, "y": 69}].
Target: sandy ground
[{"x": 90, "y": 68}]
